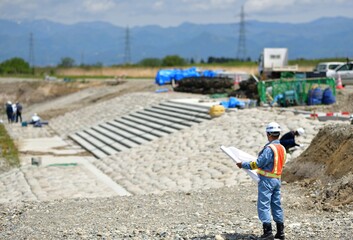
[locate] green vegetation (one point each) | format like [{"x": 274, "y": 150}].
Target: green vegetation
[
  {"x": 150, "y": 62},
  {"x": 173, "y": 60},
  {"x": 66, "y": 62},
  {"x": 15, "y": 66},
  {"x": 8, "y": 150},
  {"x": 20, "y": 68},
  {"x": 314, "y": 62}
]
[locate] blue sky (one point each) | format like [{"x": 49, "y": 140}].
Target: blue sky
[{"x": 173, "y": 12}]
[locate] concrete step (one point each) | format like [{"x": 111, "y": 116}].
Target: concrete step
[
  {"x": 106, "y": 140},
  {"x": 185, "y": 106},
  {"x": 169, "y": 113},
  {"x": 167, "y": 118},
  {"x": 148, "y": 123},
  {"x": 121, "y": 136},
  {"x": 161, "y": 122},
  {"x": 97, "y": 143},
  {"x": 88, "y": 146},
  {"x": 147, "y": 136},
  {"x": 127, "y": 134},
  {"x": 114, "y": 137},
  {"x": 143, "y": 128},
  {"x": 140, "y": 127},
  {"x": 189, "y": 112}
]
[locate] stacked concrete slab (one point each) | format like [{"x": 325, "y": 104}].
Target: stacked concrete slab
[{"x": 140, "y": 127}]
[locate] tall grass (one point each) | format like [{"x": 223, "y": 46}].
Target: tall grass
[{"x": 8, "y": 150}]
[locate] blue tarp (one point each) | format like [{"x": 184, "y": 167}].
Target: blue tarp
[
  {"x": 233, "y": 103},
  {"x": 165, "y": 76}
]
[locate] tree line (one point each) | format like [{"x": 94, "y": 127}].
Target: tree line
[{"x": 18, "y": 65}]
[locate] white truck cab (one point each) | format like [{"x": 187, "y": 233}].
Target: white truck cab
[{"x": 274, "y": 60}]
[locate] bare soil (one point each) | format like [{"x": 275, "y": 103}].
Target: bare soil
[{"x": 34, "y": 95}]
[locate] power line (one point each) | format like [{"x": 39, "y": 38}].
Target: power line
[{"x": 241, "y": 54}]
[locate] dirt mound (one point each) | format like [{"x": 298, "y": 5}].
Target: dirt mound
[{"x": 326, "y": 166}]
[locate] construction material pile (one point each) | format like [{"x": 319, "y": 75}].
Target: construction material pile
[
  {"x": 205, "y": 85},
  {"x": 326, "y": 166},
  {"x": 247, "y": 89}
]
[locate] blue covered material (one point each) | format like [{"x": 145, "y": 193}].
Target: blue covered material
[
  {"x": 165, "y": 76},
  {"x": 233, "y": 103},
  {"x": 209, "y": 73},
  {"x": 191, "y": 72},
  {"x": 328, "y": 97},
  {"x": 315, "y": 96}
]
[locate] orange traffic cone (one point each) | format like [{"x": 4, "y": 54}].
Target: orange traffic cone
[
  {"x": 339, "y": 83},
  {"x": 237, "y": 79},
  {"x": 236, "y": 82}
]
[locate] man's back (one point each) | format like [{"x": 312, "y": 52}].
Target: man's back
[{"x": 288, "y": 135}]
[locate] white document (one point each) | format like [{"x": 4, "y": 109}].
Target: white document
[{"x": 239, "y": 156}]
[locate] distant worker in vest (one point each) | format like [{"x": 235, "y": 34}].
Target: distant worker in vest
[
  {"x": 288, "y": 139},
  {"x": 269, "y": 166}
]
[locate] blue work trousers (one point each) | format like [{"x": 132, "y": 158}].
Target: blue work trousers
[{"x": 269, "y": 200}]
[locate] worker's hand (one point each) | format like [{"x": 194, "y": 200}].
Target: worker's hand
[
  {"x": 301, "y": 145},
  {"x": 239, "y": 165}
]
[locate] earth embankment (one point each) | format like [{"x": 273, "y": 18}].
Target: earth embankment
[{"x": 326, "y": 165}]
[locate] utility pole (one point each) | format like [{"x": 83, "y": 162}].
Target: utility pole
[
  {"x": 31, "y": 53},
  {"x": 241, "y": 54},
  {"x": 82, "y": 58},
  {"x": 127, "y": 55}
]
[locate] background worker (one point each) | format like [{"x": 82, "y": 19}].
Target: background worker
[
  {"x": 19, "y": 112},
  {"x": 269, "y": 166},
  {"x": 288, "y": 139}
]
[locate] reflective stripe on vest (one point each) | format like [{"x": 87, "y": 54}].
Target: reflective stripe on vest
[{"x": 279, "y": 155}]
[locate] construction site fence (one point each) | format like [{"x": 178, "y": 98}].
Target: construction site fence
[{"x": 300, "y": 86}]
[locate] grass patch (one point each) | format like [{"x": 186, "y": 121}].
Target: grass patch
[{"x": 8, "y": 150}]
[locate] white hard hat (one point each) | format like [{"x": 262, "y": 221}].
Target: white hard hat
[
  {"x": 273, "y": 127},
  {"x": 300, "y": 131}
]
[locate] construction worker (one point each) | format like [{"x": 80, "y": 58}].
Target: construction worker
[
  {"x": 288, "y": 139},
  {"x": 269, "y": 166}
]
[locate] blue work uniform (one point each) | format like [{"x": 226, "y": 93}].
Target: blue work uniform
[{"x": 269, "y": 188}]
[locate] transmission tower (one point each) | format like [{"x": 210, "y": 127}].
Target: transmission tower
[
  {"x": 31, "y": 52},
  {"x": 241, "y": 54},
  {"x": 127, "y": 55}
]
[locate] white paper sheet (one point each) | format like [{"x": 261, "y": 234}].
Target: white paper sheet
[{"x": 239, "y": 156}]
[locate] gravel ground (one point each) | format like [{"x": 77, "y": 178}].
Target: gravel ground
[{"x": 224, "y": 213}]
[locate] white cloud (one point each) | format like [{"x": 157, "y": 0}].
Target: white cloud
[
  {"x": 172, "y": 12},
  {"x": 95, "y": 6},
  {"x": 158, "y": 4}
]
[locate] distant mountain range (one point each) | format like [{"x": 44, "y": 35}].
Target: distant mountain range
[{"x": 101, "y": 42}]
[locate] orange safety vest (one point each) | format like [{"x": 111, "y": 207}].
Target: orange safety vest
[{"x": 279, "y": 160}]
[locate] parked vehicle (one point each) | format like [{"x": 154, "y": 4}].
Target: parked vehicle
[
  {"x": 327, "y": 66},
  {"x": 345, "y": 72},
  {"x": 274, "y": 61}
]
